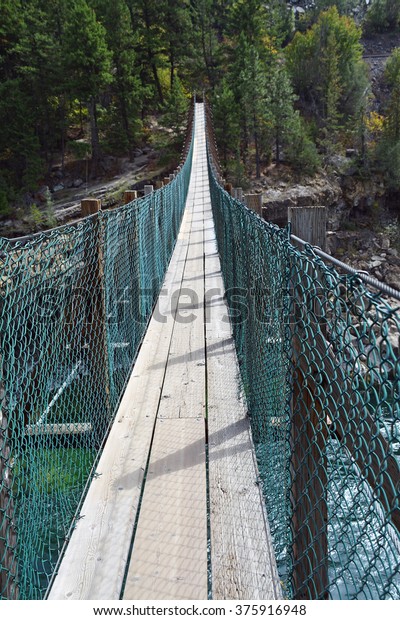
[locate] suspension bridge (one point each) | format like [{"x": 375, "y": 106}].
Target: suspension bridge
[{"x": 192, "y": 407}]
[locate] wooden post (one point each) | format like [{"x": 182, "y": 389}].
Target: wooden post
[
  {"x": 254, "y": 202},
  {"x": 228, "y": 188},
  {"x": 129, "y": 196},
  {"x": 96, "y": 320},
  {"x": 89, "y": 206},
  {"x": 8, "y": 539},
  {"x": 239, "y": 194},
  {"x": 309, "y": 431},
  {"x": 309, "y": 224},
  {"x": 159, "y": 184},
  {"x": 309, "y": 491},
  {"x": 171, "y": 177},
  {"x": 166, "y": 180},
  {"x": 148, "y": 189}
]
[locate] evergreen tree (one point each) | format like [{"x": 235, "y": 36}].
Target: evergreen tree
[
  {"x": 327, "y": 69},
  {"x": 41, "y": 67},
  {"x": 248, "y": 85},
  {"x": 122, "y": 120},
  {"x": 87, "y": 61},
  {"x": 388, "y": 149},
  {"x": 177, "y": 35},
  {"x": 227, "y": 121},
  {"x": 146, "y": 17},
  {"x": 176, "y": 108},
  {"x": 248, "y": 18},
  {"x": 392, "y": 75},
  {"x": 207, "y": 30},
  {"x": 382, "y": 15},
  {"x": 300, "y": 150},
  {"x": 280, "y": 22},
  {"x": 330, "y": 94},
  {"x": 280, "y": 99}
]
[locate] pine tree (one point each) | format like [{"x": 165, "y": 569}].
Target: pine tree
[
  {"x": 227, "y": 121},
  {"x": 382, "y": 15},
  {"x": 311, "y": 72},
  {"x": 248, "y": 18},
  {"x": 392, "y": 75},
  {"x": 331, "y": 90},
  {"x": 176, "y": 107},
  {"x": 123, "y": 115},
  {"x": 388, "y": 149},
  {"x": 147, "y": 30},
  {"x": 248, "y": 86},
  {"x": 280, "y": 99},
  {"x": 87, "y": 61},
  {"x": 177, "y": 34}
]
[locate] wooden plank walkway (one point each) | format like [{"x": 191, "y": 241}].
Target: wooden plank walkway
[{"x": 181, "y": 437}]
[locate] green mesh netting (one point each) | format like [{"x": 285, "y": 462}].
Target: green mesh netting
[
  {"x": 319, "y": 358},
  {"x": 74, "y": 306}
]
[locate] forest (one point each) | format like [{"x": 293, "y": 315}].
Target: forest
[{"x": 80, "y": 79}]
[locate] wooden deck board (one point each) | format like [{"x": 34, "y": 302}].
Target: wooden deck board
[
  {"x": 243, "y": 565},
  {"x": 185, "y": 374},
  {"x": 169, "y": 559}
]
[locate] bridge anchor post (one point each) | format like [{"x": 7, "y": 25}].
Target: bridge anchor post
[
  {"x": 95, "y": 333},
  {"x": 8, "y": 539},
  {"x": 309, "y": 479}
]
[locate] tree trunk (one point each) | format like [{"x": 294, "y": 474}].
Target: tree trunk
[
  {"x": 94, "y": 136},
  {"x": 172, "y": 65},
  {"x": 277, "y": 150},
  {"x": 156, "y": 79},
  {"x": 8, "y": 560},
  {"x": 125, "y": 124},
  {"x": 205, "y": 57},
  {"x": 256, "y": 144},
  {"x": 150, "y": 54},
  {"x": 62, "y": 112}
]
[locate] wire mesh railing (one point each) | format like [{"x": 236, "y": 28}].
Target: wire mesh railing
[
  {"x": 74, "y": 306},
  {"x": 319, "y": 358}
]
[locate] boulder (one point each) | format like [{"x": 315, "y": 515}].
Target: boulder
[{"x": 42, "y": 195}]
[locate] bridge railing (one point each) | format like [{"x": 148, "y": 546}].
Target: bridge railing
[
  {"x": 319, "y": 358},
  {"x": 74, "y": 306}
]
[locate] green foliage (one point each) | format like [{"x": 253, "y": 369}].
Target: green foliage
[
  {"x": 176, "y": 107},
  {"x": 280, "y": 21},
  {"x": 344, "y": 7},
  {"x": 326, "y": 58},
  {"x": 36, "y": 216},
  {"x": 121, "y": 121},
  {"x": 4, "y": 204},
  {"x": 248, "y": 84},
  {"x": 226, "y": 120},
  {"x": 279, "y": 104},
  {"x": 247, "y": 18},
  {"x": 382, "y": 15},
  {"x": 300, "y": 149},
  {"x": 388, "y": 148},
  {"x": 237, "y": 173},
  {"x": 70, "y": 65},
  {"x": 87, "y": 59}
]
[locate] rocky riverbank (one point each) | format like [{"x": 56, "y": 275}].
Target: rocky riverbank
[{"x": 362, "y": 223}]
